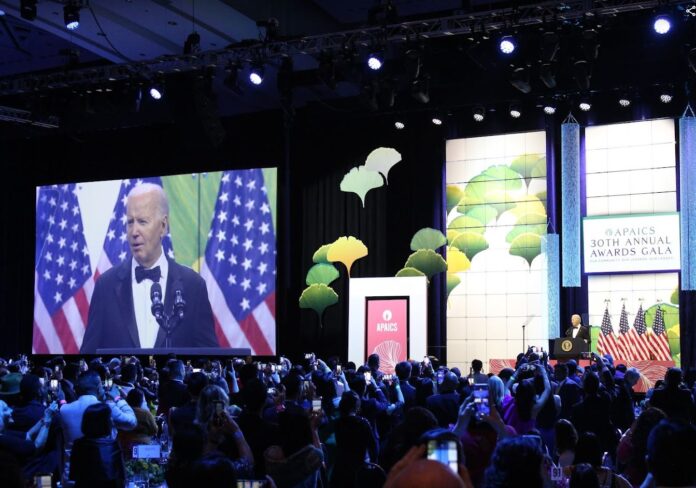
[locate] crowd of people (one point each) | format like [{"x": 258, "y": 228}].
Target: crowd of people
[{"x": 323, "y": 423}]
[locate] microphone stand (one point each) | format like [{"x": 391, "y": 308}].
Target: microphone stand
[{"x": 168, "y": 322}]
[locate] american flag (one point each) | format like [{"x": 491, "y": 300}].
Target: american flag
[
  {"x": 240, "y": 263},
  {"x": 63, "y": 282},
  {"x": 638, "y": 337},
  {"x": 658, "y": 339},
  {"x": 116, "y": 249},
  {"x": 607, "y": 340},
  {"x": 626, "y": 349}
]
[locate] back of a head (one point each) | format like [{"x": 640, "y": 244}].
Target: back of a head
[
  {"x": 673, "y": 377},
  {"x": 214, "y": 470},
  {"x": 631, "y": 376},
  {"x": 370, "y": 475},
  {"x": 589, "y": 449},
  {"x": 572, "y": 367},
  {"x": 350, "y": 403},
  {"x": 196, "y": 382},
  {"x": 189, "y": 442},
  {"x": 426, "y": 473},
  {"x": 96, "y": 421},
  {"x": 248, "y": 372},
  {"x": 477, "y": 365},
  {"x": 505, "y": 374},
  {"x": 295, "y": 432},
  {"x": 403, "y": 370},
  {"x": 516, "y": 462},
  {"x": 30, "y": 388},
  {"x": 89, "y": 383},
  {"x": 417, "y": 421},
  {"x": 584, "y": 476},
  {"x": 135, "y": 398},
  {"x": 373, "y": 361},
  {"x": 565, "y": 435},
  {"x": 293, "y": 384},
  {"x": 129, "y": 373},
  {"x": 254, "y": 395},
  {"x": 591, "y": 384},
  {"x": 71, "y": 372},
  {"x": 671, "y": 454},
  {"x": 449, "y": 383},
  {"x": 176, "y": 370},
  {"x": 206, "y": 403},
  {"x": 560, "y": 372}
]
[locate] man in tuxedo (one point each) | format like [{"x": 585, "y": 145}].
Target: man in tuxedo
[
  {"x": 120, "y": 311},
  {"x": 577, "y": 329}
]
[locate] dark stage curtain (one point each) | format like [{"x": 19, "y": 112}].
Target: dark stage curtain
[{"x": 321, "y": 152}]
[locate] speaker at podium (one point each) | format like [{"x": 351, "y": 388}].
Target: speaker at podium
[{"x": 565, "y": 348}]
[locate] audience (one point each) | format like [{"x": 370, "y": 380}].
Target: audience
[{"x": 313, "y": 424}]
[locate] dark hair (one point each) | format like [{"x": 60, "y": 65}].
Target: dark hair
[
  {"x": 671, "y": 453},
  {"x": 292, "y": 384},
  {"x": 640, "y": 431},
  {"x": 135, "y": 398},
  {"x": 71, "y": 371},
  {"x": 403, "y": 370},
  {"x": 566, "y": 436},
  {"x": 591, "y": 384},
  {"x": 589, "y": 450},
  {"x": 476, "y": 365},
  {"x": 373, "y": 360},
  {"x": 214, "y": 470},
  {"x": 96, "y": 421},
  {"x": 89, "y": 383},
  {"x": 350, "y": 403},
  {"x": 295, "y": 432},
  {"x": 196, "y": 382},
  {"x": 516, "y": 462},
  {"x": 560, "y": 372},
  {"x": 673, "y": 377},
  {"x": 247, "y": 372},
  {"x": 505, "y": 374},
  {"x": 524, "y": 399},
  {"x": 30, "y": 388},
  {"x": 584, "y": 476},
  {"x": 254, "y": 395},
  {"x": 128, "y": 373}
]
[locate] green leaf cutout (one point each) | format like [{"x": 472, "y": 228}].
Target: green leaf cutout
[
  {"x": 466, "y": 223},
  {"x": 320, "y": 254},
  {"x": 361, "y": 180},
  {"x": 470, "y": 243},
  {"x": 528, "y": 223},
  {"x": 382, "y": 159},
  {"x": 318, "y": 297},
  {"x": 428, "y": 238},
  {"x": 408, "y": 272},
  {"x": 526, "y": 245},
  {"x": 427, "y": 261},
  {"x": 452, "y": 281},
  {"x": 322, "y": 273}
]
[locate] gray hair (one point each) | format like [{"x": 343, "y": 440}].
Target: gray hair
[{"x": 161, "y": 199}]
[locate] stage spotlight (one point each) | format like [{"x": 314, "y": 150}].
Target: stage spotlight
[
  {"x": 27, "y": 9},
  {"x": 549, "y": 108},
  {"x": 624, "y": 101},
  {"x": 479, "y": 114},
  {"x": 666, "y": 96},
  {"x": 585, "y": 105},
  {"x": 520, "y": 80},
  {"x": 399, "y": 125},
  {"x": 156, "y": 92},
  {"x": 507, "y": 45},
  {"x": 582, "y": 74},
  {"x": 515, "y": 112},
  {"x": 547, "y": 75},
  {"x": 71, "y": 16},
  {"x": 420, "y": 89},
  {"x": 437, "y": 121},
  {"x": 662, "y": 24},
  {"x": 375, "y": 62},
  {"x": 2, "y": 12},
  {"x": 256, "y": 75}
]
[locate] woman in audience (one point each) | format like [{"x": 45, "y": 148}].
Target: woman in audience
[
  {"x": 144, "y": 431},
  {"x": 355, "y": 443},
  {"x": 584, "y": 476},
  {"x": 516, "y": 462},
  {"x": 96, "y": 458},
  {"x": 298, "y": 461},
  {"x": 522, "y": 410},
  {"x": 631, "y": 452},
  {"x": 589, "y": 450},
  {"x": 566, "y": 439}
]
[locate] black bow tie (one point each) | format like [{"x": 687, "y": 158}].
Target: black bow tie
[{"x": 152, "y": 274}]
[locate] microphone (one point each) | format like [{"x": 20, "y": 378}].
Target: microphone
[
  {"x": 157, "y": 308},
  {"x": 179, "y": 303}
]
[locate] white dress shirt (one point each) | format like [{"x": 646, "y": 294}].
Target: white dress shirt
[
  {"x": 575, "y": 331},
  {"x": 142, "y": 303}
]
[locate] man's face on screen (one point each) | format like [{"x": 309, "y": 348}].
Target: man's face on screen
[{"x": 146, "y": 228}]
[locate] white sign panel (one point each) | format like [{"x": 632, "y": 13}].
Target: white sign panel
[{"x": 631, "y": 243}]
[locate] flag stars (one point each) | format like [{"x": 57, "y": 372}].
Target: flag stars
[
  {"x": 75, "y": 210},
  {"x": 126, "y": 183},
  {"x": 261, "y": 288},
  {"x": 224, "y": 197},
  {"x": 48, "y": 256},
  {"x": 64, "y": 206},
  {"x": 72, "y": 265},
  {"x": 47, "y": 275},
  {"x": 85, "y": 269},
  {"x": 225, "y": 178},
  {"x": 51, "y": 220},
  {"x": 232, "y": 279},
  {"x": 122, "y": 256},
  {"x": 85, "y": 252},
  {"x": 250, "y": 205},
  {"x": 264, "y": 228},
  {"x": 72, "y": 283},
  {"x": 124, "y": 219},
  {"x": 61, "y": 242},
  {"x": 221, "y": 236},
  {"x": 251, "y": 185},
  {"x": 265, "y": 208},
  {"x": 58, "y": 297},
  {"x": 244, "y": 304},
  {"x": 235, "y": 220},
  {"x": 246, "y": 284},
  {"x": 49, "y": 238},
  {"x": 232, "y": 259},
  {"x": 222, "y": 216},
  {"x": 52, "y": 202},
  {"x": 234, "y": 239},
  {"x": 59, "y": 279},
  {"x": 124, "y": 200},
  {"x": 262, "y": 268},
  {"x": 220, "y": 255},
  {"x": 75, "y": 228},
  {"x": 249, "y": 224},
  {"x": 246, "y": 264},
  {"x": 263, "y": 248},
  {"x": 238, "y": 181},
  {"x": 237, "y": 201},
  {"x": 123, "y": 237},
  {"x": 248, "y": 244},
  {"x": 73, "y": 246},
  {"x": 60, "y": 260},
  {"x": 63, "y": 224},
  {"x": 111, "y": 234}
]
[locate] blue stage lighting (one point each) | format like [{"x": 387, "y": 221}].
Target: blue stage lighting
[
  {"x": 507, "y": 45},
  {"x": 156, "y": 93},
  {"x": 374, "y": 62},
  {"x": 256, "y": 76},
  {"x": 662, "y": 25}
]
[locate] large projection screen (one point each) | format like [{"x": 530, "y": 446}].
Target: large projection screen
[{"x": 221, "y": 225}]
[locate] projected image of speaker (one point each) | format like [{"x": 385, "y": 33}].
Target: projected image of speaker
[{"x": 182, "y": 263}]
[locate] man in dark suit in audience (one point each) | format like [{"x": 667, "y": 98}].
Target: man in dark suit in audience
[
  {"x": 403, "y": 372},
  {"x": 569, "y": 391},
  {"x": 173, "y": 392},
  {"x": 445, "y": 404},
  {"x": 674, "y": 398}
]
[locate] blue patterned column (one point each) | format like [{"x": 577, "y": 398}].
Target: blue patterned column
[
  {"x": 687, "y": 199},
  {"x": 570, "y": 202},
  {"x": 550, "y": 245}
]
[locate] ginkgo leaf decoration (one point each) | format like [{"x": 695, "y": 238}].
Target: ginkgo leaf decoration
[
  {"x": 426, "y": 261},
  {"x": 361, "y": 180},
  {"x": 346, "y": 250},
  {"x": 320, "y": 254},
  {"x": 409, "y": 272},
  {"x": 322, "y": 273},
  {"x": 318, "y": 297},
  {"x": 457, "y": 261},
  {"x": 428, "y": 238},
  {"x": 382, "y": 159}
]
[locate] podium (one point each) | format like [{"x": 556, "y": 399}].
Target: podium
[{"x": 569, "y": 348}]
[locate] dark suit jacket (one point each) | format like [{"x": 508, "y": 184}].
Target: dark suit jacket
[
  {"x": 583, "y": 333},
  {"x": 111, "y": 322},
  {"x": 445, "y": 407}
]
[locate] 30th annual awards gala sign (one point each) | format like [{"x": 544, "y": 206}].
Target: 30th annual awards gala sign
[{"x": 630, "y": 243}]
